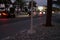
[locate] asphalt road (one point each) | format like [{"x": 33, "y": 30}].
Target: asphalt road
[
  {"x": 11, "y": 20},
  {"x": 55, "y": 18},
  {"x": 9, "y": 26},
  {"x": 13, "y": 25}
]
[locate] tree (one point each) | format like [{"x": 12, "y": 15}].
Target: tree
[
  {"x": 56, "y": 2},
  {"x": 4, "y": 1},
  {"x": 1, "y": 1},
  {"x": 21, "y": 3},
  {"x": 49, "y": 13},
  {"x": 34, "y": 4}
]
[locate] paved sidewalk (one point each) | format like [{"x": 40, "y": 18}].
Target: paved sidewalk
[
  {"x": 42, "y": 33},
  {"x": 22, "y": 15}
]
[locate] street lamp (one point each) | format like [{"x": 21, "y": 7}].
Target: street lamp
[{"x": 31, "y": 29}]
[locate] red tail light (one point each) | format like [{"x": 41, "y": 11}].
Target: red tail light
[
  {"x": 4, "y": 13},
  {"x": 34, "y": 13},
  {"x": 0, "y": 14}
]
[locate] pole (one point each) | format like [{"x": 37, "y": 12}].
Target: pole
[
  {"x": 32, "y": 15},
  {"x": 31, "y": 29}
]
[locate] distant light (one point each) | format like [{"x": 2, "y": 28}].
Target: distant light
[
  {"x": 34, "y": 13},
  {"x": 40, "y": 12},
  {"x": 53, "y": 12},
  {"x": 40, "y": 8},
  {"x": 43, "y": 12}
]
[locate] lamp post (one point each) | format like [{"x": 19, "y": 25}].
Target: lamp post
[{"x": 31, "y": 29}]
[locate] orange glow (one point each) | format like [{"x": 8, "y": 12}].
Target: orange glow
[
  {"x": 4, "y": 14},
  {"x": 0, "y": 14}
]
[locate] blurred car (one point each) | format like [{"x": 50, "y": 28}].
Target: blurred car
[
  {"x": 3, "y": 14},
  {"x": 41, "y": 13}
]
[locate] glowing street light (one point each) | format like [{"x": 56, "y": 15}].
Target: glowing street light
[{"x": 40, "y": 8}]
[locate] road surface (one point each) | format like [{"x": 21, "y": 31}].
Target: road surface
[{"x": 13, "y": 25}]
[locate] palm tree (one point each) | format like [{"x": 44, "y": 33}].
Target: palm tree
[{"x": 49, "y": 13}]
